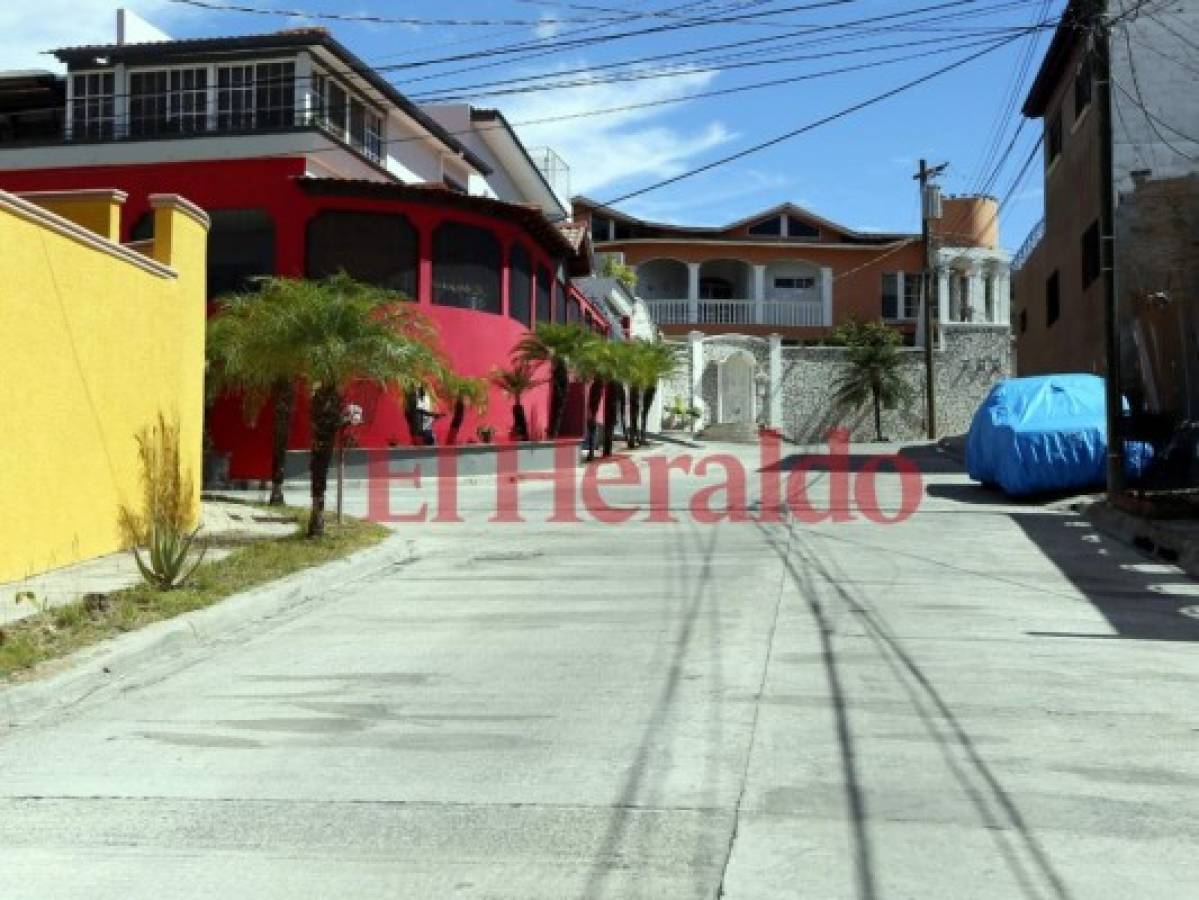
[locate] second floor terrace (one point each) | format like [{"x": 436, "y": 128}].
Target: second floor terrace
[{"x": 222, "y": 88}]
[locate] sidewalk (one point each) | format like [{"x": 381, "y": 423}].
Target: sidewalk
[
  {"x": 1175, "y": 541},
  {"x": 222, "y": 524}
]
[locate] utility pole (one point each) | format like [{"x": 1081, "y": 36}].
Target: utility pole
[
  {"x": 930, "y": 208},
  {"x": 1101, "y": 50}
]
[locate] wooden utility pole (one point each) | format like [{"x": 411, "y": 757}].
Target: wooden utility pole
[
  {"x": 925, "y": 177},
  {"x": 1101, "y": 50}
]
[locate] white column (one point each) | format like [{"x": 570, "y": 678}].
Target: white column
[
  {"x": 759, "y": 294},
  {"x": 943, "y": 295},
  {"x": 1003, "y": 298},
  {"x": 826, "y": 296},
  {"x": 774, "y": 388},
  {"x": 693, "y": 292},
  {"x": 695, "y": 340},
  {"x": 975, "y": 299}
]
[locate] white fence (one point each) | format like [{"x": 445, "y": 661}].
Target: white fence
[{"x": 787, "y": 313}]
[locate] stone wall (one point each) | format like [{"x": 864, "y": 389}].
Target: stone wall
[{"x": 970, "y": 359}]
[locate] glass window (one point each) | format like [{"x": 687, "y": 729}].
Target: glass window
[
  {"x": 795, "y": 284},
  {"x": 911, "y": 295},
  {"x": 520, "y": 284},
  {"x": 377, "y": 248},
  {"x": 320, "y": 98},
  {"x": 466, "y": 267},
  {"x": 338, "y": 103},
  {"x": 147, "y": 103},
  {"x": 373, "y": 145},
  {"x": 357, "y": 122},
  {"x": 559, "y": 302},
  {"x": 890, "y": 295},
  {"x": 1053, "y": 139},
  {"x": 275, "y": 94},
  {"x": 235, "y": 98},
  {"x": 800, "y": 228},
  {"x": 188, "y": 107},
  {"x": 772, "y": 227},
  {"x": 241, "y": 245},
  {"x": 544, "y": 292},
  {"x": 601, "y": 228},
  {"x": 92, "y": 105}
]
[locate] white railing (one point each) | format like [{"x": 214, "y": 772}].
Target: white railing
[{"x": 786, "y": 313}]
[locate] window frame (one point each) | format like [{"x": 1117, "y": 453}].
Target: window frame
[
  {"x": 96, "y": 110},
  {"x": 1090, "y": 255},
  {"x": 1053, "y": 298}
]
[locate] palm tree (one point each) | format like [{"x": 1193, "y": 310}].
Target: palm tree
[
  {"x": 515, "y": 383},
  {"x": 236, "y": 363},
  {"x": 872, "y": 355},
  {"x": 624, "y": 374},
  {"x": 559, "y": 345},
  {"x": 655, "y": 362},
  {"x": 595, "y": 365},
  {"x": 461, "y": 393},
  {"x": 333, "y": 333}
]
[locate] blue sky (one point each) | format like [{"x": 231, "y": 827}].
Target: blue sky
[{"x": 856, "y": 170}]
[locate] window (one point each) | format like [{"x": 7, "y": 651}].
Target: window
[
  {"x": 989, "y": 297},
  {"x": 1082, "y": 89},
  {"x": 235, "y": 98},
  {"x": 772, "y": 227},
  {"x": 466, "y": 267},
  {"x": 357, "y": 122},
  {"x": 794, "y": 284},
  {"x": 601, "y": 228},
  {"x": 377, "y": 248},
  {"x": 173, "y": 101},
  {"x": 92, "y": 109},
  {"x": 912, "y": 295},
  {"x": 275, "y": 94},
  {"x": 799, "y": 228},
  {"x": 320, "y": 98},
  {"x": 1023, "y": 321},
  {"x": 338, "y": 104},
  {"x": 890, "y": 295},
  {"x": 147, "y": 103},
  {"x": 1053, "y": 139},
  {"x": 1053, "y": 299},
  {"x": 241, "y": 245},
  {"x": 188, "y": 109},
  {"x": 520, "y": 284},
  {"x": 1090, "y": 255},
  {"x": 543, "y": 294},
  {"x": 624, "y": 231},
  {"x": 559, "y": 302},
  {"x": 372, "y": 145}
]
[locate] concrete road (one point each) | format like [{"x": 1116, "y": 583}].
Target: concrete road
[{"x": 985, "y": 700}]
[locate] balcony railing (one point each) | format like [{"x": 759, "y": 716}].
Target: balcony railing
[
  {"x": 785, "y": 313},
  {"x": 1029, "y": 245}
]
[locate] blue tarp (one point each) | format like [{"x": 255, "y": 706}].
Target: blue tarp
[{"x": 1036, "y": 435}]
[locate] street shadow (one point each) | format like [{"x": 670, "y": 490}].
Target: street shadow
[
  {"x": 988, "y": 495},
  {"x": 925, "y": 457},
  {"x": 1141, "y": 599}
]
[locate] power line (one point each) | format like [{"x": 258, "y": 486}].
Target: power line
[
  {"x": 811, "y": 126},
  {"x": 377, "y": 19}
]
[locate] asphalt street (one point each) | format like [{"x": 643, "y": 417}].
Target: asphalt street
[{"x": 984, "y": 700}]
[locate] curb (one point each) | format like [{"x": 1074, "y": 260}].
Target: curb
[
  {"x": 116, "y": 663},
  {"x": 1150, "y": 537}
]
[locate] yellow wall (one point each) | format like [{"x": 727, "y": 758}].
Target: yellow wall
[{"x": 95, "y": 341}]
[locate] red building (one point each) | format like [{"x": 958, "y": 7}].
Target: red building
[{"x": 309, "y": 162}]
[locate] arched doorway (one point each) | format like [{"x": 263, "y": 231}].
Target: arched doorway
[{"x": 735, "y": 396}]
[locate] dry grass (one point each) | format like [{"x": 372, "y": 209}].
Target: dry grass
[{"x": 56, "y": 632}]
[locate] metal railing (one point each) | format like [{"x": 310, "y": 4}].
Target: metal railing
[
  {"x": 786, "y": 313},
  {"x": 1029, "y": 245}
]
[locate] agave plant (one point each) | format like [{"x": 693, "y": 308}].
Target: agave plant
[{"x": 162, "y": 527}]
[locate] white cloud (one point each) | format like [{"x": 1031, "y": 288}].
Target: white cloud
[
  {"x": 26, "y": 30},
  {"x": 547, "y": 28},
  {"x": 608, "y": 149}
]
